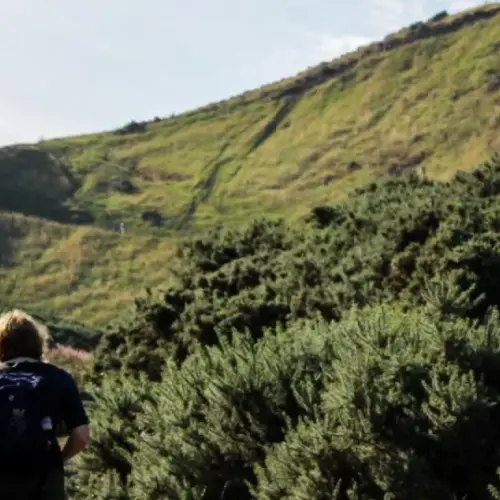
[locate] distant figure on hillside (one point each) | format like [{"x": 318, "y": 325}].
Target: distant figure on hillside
[
  {"x": 122, "y": 228},
  {"x": 35, "y": 396}
]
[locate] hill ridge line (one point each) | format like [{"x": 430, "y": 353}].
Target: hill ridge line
[
  {"x": 318, "y": 74},
  {"x": 337, "y": 66}
]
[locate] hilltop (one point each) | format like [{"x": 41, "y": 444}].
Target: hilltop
[{"x": 424, "y": 99}]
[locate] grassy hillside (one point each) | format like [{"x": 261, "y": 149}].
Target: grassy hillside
[
  {"x": 79, "y": 272},
  {"x": 426, "y": 98}
]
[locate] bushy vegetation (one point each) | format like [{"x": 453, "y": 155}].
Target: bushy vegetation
[
  {"x": 439, "y": 16},
  {"x": 354, "y": 357},
  {"x": 351, "y": 355}
]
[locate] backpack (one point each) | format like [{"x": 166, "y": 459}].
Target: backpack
[{"x": 26, "y": 434}]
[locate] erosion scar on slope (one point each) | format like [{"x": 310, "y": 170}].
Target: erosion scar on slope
[
  {"x": 270, "y": 128},
  {"x": 273, "y": 124},
  {"x": 206, "y": 186}
]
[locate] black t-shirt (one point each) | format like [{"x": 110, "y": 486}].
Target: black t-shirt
[{"x": 64, "y": 403}]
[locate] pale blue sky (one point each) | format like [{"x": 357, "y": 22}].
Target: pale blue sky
[{"x": 76, "y": 66}]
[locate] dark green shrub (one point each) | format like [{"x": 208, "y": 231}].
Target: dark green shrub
[
  {"x": 103, "y": 469},
  {"x": 382, "y": 245},
  {"x": 218, "y": 413},
  {"x": 403, "y": 416},
  {"x": 355, "y": 357},
  {"x": 384, "y": 404},
  {"x": 439, "y": 17}
]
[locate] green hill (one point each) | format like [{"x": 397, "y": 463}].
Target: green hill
[{"x": 425, "y": 98}]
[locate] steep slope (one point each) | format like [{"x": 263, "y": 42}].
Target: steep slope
[{"x": 425, "y": 98}]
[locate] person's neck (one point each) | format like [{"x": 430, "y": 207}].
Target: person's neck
[{"x": 21, "y": 359}]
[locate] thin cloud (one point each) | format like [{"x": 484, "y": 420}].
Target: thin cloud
[
  {"x": 391, "y": 15},
  {"x": 384, "y": 16},
  {"x": 329, "y": 46},
  {"x": 459, "y": 5}
]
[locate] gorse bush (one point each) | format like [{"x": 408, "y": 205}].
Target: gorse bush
[
  {"x": 382, "y": 245},
  {"x": 114, "y": 408},
  {"x": 355, "y": 357},
  {"x": 382, "y": 403}
]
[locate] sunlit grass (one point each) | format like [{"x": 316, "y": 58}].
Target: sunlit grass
[
  {"x": 201, "y": 169},
  {"x": 87, "y": 274}
]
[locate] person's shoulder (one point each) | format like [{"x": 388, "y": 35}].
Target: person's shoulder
[{"x": 54, "y": 371}]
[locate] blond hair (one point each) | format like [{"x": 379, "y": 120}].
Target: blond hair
[{"x": 21, "y": 336}]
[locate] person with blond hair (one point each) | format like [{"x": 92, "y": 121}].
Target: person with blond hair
[{"x": 35, "y": 397}]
